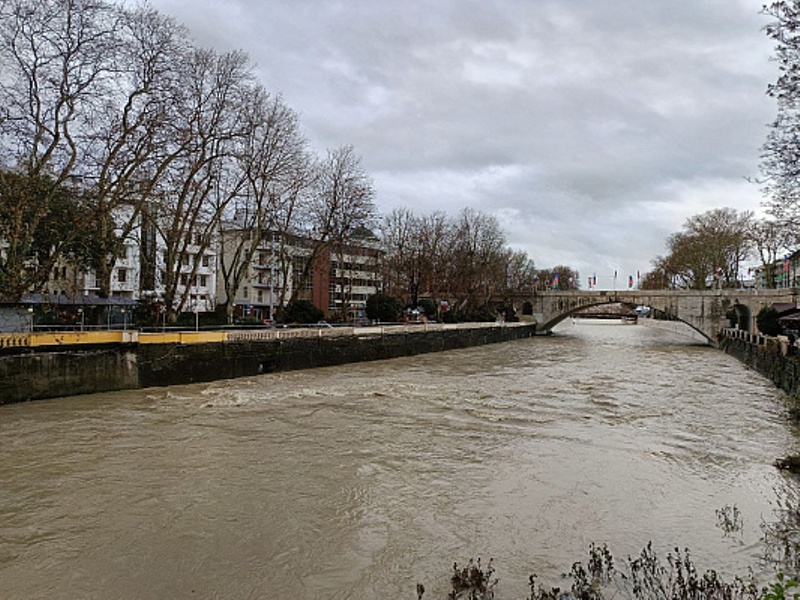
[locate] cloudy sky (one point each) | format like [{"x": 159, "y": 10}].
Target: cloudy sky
[{"x": 592, "y": 130}]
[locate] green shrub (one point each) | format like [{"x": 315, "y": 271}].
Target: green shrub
[
  {"x": 767, "y": 321},
  {"x": 302, "y": 311},
  {"x": 383, "y": 307}
]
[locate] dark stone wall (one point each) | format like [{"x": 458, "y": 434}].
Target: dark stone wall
[
  {"x": 173, "y": 364},
  {"x": 34, "y": 376},
  {"x": 30, "y": 376},
  {"x": 769, "y": 359}
]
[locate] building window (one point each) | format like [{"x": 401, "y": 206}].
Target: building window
[
  {"x": 206, "y": 260},
  {"x": 122, "y": 275}
]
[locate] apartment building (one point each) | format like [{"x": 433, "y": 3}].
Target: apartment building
[
  {"x": 140, "y": 273},
  {"x": 337, "y": 279},
  {"x": 784, "y": 273},
  {"x": 355, "y": 275}
]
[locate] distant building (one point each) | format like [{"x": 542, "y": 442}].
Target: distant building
[
  {"x": 140, "y": 272},
  {"x": 338, "y": 282},
  {"x": 785, "y": 273},
  {"x": 355, "y": 275}
]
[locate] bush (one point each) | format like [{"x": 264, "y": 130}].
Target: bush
[
  {"x": 302, "y": 311},
  {"x": 383, "y": 307},
  {"x": 645, "y": 577},
  {"x": 767, "y": 321},
  {"x": 485, "y": 313}
]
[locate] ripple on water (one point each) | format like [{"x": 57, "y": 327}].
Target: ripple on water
[{"x": 359, "y": 480}]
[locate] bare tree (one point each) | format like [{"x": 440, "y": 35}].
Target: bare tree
[
  {"x": 435, "y": 234},
  {"x": 136, "y": 145},
  {"x": 462, "y": 260},
  {"x": 477, "y": 267},
  {"x": 200, "y": 183},
  {"x": 520, "y": 271},
  {"x": 57, "y": 59},
  {"x": 340, "y": 206},
  {"x": 725, "y": 236},
  {"x": 709, "y": 249},
  {"x": 275, "y": 163},
  {"x": 780, "y": 163},
  {"x": 400, "y": 233},
  {"x": 771, "y": 239},
  {"x": 560, "y": 277}
]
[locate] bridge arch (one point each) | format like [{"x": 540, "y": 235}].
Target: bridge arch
[
  {"x": 527, "y": 309},
  {"x": 740, "y": 317},
  {"x": 548, "y": 326},
  {"x": 706, "y": 311}
]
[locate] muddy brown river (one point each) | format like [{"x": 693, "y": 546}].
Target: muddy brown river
[{"x": 358, "y": 481}]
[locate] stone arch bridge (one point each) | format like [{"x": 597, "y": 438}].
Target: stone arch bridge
[{"x": 704, "y": 310}]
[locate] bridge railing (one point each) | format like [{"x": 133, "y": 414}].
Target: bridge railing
[
  {"x": 781, "y": 344},
  {"x": 746, "y": 336}
]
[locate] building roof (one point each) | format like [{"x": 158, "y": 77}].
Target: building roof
[{"x": 784, "y": 308}]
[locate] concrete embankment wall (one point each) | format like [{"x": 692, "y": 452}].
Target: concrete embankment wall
[
  {"x": 774, "y": 358},
  {"x": 34, "y": 372}
]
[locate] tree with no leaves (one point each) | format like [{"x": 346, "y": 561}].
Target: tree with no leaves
[
  {"x": 338, "y": 207},
  {"x": 57, "y": 58},
  {"x": 276, "y": 165},
  {"x": 202, "y": 182},
  {"x": 780, "y": 155},
  {"x": 772, "y": 240},
  {"x": 709, "y": 250}
]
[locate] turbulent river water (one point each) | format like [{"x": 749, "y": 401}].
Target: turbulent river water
[{"x": 359, "y": 481}]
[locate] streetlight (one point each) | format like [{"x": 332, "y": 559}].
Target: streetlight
[
  {"x": 124, "y": 320},
  {"x": 80, "y": 312},
  {"x": 30, "y": 318}
]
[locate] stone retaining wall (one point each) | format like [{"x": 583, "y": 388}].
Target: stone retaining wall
[
  {"x": 68, "y": 371},
  {"x": 774, "y": 358}
]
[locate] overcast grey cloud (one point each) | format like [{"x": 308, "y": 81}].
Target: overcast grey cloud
[{"x": 591, "y": 129}]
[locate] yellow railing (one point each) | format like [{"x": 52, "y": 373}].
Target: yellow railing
[
  {"x": 65, "y": 338},
  {"x": 14, "y": 340},
  {"x": 183, "y": 337},
  {"x": 71, "y": 338},
  {"x": 83, "y": 338}
]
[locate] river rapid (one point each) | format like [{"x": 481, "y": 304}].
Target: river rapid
[{"x": 359, "y": 481}]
